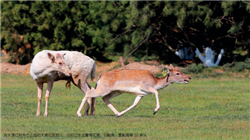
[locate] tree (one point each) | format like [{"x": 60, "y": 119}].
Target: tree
[
  {"x": 144, "y": 30},
  {"x": 47, "y": 25}
]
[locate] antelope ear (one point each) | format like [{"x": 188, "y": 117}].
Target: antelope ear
[
  {"x": 63, "y": 55},
  {"x": 168, "y": 72},
  {"x": 165, "y": 71},
  {"x": 171, "y": 66},
  {"x": 51, "y": 57}
]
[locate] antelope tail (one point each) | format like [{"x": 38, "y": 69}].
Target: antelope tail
[{"x": 93, "y": 72}]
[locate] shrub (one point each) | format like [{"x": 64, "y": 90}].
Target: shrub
[
  {"x": 237, "y": 67},
  {"x": 227, "y": 67},
  {"x": 241, "y": 66},
  {"x": 193, "y": 68},
  {"x": 215, "y": 74},
  {"x": 248, "y": 63}
]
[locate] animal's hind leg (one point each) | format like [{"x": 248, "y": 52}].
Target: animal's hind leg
[
  {"x": 80, "y": 80},
  {"x": 39, "y": 97},
  {"x": 137, "y": 99},
  {"x": 86, "y": 112},
  {"x": 108, "y": 97},
  {"x": 81, "y": 106},
  {"x": 93, "y": 103},
  {"x": 90, "y": 94}
]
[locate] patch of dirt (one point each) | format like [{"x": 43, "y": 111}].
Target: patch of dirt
[
  {"x": 143, "y": 66},
  {"x": 154, "y": 67},
  {"x": 105, "y": 67},
  {"x": 219, "y": 71},
  {"x": 15, "y": 69}
]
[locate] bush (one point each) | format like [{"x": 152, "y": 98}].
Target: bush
[
  {"x": 248, "y": 62},
  {"x": 193, "y": 68},
  {"x": 237, "y": 66},
  {"x": 227, "y": 67},
  {"x": 205, "y": 72},
  {"x": 241, "y": 66},
  {"x": 215, "y": 74}
]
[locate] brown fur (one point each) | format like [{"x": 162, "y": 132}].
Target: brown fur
[{"x": 137, "y": 82}]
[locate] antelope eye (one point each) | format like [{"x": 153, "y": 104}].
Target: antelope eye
[
  {"x": 177, "y": 73},
  {"x": 60, "y": 63}
]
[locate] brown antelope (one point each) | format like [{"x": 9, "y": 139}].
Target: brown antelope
[{"x": 138, "y": 82}]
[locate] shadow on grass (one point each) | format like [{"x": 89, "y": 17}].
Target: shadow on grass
[{"x": 137, "y": 116}]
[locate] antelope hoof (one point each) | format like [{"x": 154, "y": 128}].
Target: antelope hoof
[
  {"x": 85, "y": 114},
  {"x": 79, "y": 114},
  {"x": 37, "y": 113},
  {"x": 156, "y": 109},
  {"x": 117, "y": 115},
  {"x": 154, "y": 112},
  {"x": 45, "y": 115}
]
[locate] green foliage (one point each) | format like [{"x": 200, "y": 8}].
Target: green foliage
[
  {"x": 247, "y": 61},
  {"x": 237, "y": 66},
  {"x": 102, "y": 29},
  {"x": 47, "y": 25},
  {"x": 241, "y": 66},
  {"x": 193, "y": 68},
  {"x": 228, "y": 69}
]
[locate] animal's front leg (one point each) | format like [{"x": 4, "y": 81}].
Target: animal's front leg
[
  {"x": 39, "y": 97},
  {"x": 157, "y": 99},
  {"x": 49, "y": 88}
]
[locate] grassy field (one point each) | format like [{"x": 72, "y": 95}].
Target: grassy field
[{"x": 216, "y": 108}]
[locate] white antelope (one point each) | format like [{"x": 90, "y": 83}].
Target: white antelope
[
  {"x": 137, "y": 82},
  {"x": 50, "y": 66}
]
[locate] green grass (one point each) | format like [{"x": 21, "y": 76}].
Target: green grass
[{"x": 212, "y": 108}]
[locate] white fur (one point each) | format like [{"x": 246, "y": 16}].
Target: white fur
[
  {"x": 43, "y": 71},
  {"x": 135, "y": 90},
  {"x": 41, "y": 66}
]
